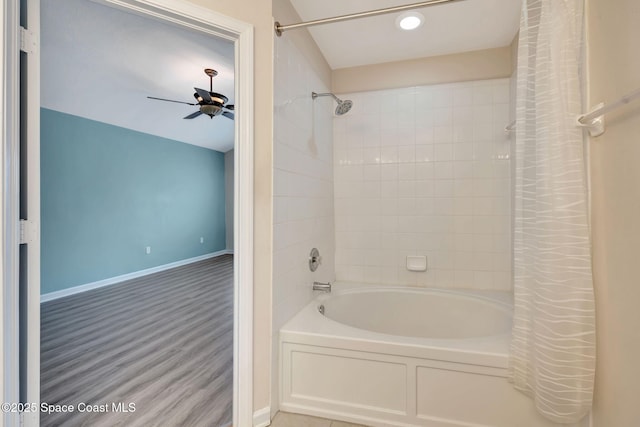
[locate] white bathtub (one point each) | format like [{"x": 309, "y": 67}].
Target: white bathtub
[
  {"x": 419, "y": 313},
  {"x": 403, "y": 357}
]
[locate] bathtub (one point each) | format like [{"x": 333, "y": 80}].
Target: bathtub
[{"x": 391, "y": 356}]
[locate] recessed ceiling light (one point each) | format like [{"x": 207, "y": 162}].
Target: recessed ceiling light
[{"x": 410, "y": 20}]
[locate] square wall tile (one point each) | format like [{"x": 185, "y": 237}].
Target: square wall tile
[{"x": 431, "y": 176}]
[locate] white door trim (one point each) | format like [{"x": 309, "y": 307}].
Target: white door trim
[
  {"x": 32, "y": 112},
  {"x": 241, "y": 34},
  {"x": 193, "y": 17},
  {"x": 9, "y": 214}
]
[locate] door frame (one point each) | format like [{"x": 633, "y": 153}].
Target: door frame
[
  {"x": 189, "y": 16},
  {"x": 9, "y": 214}
]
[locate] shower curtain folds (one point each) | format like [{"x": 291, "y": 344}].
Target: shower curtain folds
[{"x": 552, "y": 355}]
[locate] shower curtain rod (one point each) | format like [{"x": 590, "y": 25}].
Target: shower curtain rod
[
  {"x": 282, "y": 28},
  {"x": 586, "y": 118},
  {"x": 594, "y": 121}
]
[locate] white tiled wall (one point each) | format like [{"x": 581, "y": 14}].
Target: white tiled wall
[
  {"x": 425, "y": 171},
  {"x": 302, "y": 182}
]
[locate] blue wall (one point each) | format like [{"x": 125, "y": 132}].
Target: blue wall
[{"x": 108, "y": 192}]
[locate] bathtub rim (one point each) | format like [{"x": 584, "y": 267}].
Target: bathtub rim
[
  {"x": 502, "y": 298},
  {"x": 310, "y": 327}
]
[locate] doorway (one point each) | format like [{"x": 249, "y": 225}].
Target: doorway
[{"x": 197, "y": 19}]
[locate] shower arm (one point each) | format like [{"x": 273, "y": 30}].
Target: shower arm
[
  {"x": 279, "y": 29},
  {"x": 314, "y": 95}
]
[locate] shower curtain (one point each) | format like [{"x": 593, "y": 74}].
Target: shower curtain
[{"x": 552, "y": 354}]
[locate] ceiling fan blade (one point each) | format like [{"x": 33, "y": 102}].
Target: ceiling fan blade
[
  {"x": 203, "y": 94},
  {"x": 193, "y": 115},
  {"x": 170, "y": 100},
  {"x": 228, "y": 115},
  {"x": 230, "y": 107}
]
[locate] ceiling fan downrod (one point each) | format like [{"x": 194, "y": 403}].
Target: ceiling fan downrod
[{"x": 211, "y": 73}]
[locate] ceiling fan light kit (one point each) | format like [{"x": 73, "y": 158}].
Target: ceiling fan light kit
[{"x": 211, "y": 103}]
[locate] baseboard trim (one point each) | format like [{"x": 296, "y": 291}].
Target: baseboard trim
[
  {"x": 262, "y": 417},
  {"x": 117, "y": 279}
]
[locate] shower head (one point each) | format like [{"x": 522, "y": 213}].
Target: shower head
[{"x": 343, "y": 106}]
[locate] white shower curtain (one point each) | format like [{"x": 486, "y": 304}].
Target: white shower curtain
[{"x": 553, "y": 346}]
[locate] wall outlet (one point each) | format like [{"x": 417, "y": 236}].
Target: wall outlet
[
  {"x": 202, "y": 240},
  {"x": 148, "y": 250}
]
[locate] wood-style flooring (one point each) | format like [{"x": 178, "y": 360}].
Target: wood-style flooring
[{"x": 163, "y": 342}]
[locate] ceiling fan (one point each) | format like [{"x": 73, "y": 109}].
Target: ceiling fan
[{"x": 211, "y": 103}]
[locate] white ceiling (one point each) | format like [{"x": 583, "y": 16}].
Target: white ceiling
[
  {"x": 101, "y": 63},
  {"x": 455, "y": 27}
]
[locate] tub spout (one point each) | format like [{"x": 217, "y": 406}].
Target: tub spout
[{"x": 324, "y": 287}]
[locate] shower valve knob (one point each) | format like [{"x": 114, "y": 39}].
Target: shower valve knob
[{"x": 314, "y": 259}]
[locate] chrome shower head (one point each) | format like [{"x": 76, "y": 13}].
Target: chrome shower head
[{"x": 343, "y": 106}]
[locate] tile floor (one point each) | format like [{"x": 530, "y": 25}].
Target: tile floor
[{"x": 285, "y": 419}]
